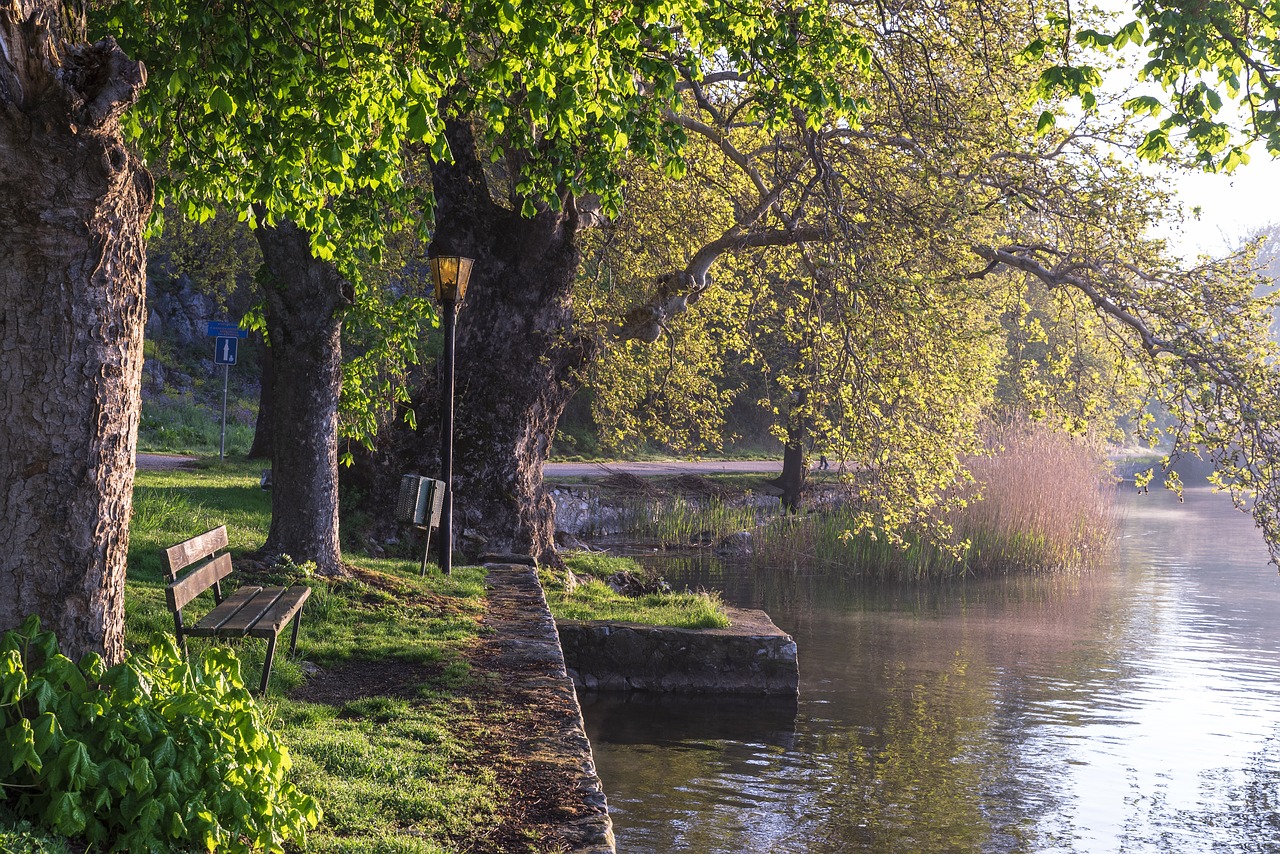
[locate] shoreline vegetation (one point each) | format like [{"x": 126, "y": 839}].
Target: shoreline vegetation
[{"x": 1041, "y": 501}]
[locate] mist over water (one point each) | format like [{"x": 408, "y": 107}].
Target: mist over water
[{"x": 1132, "y": 709}]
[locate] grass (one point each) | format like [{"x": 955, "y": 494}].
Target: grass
[
  {"x": 179, "y": 425},
  {"x": 392, "y": 774},
  {"x": 593, "y": 599},
  {"x": 22, "y": 838}
]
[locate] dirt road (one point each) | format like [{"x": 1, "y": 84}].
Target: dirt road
[{"x": 646, "y": 469}]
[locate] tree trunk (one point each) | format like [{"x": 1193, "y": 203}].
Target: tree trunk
[
  {"x": 515, "y": 363},
  {"x": 304, "y": 303},
  {"x": 73, "y": 202},
  {"x": 262, "y": 436},
  {"x": 794, "y": 471}
]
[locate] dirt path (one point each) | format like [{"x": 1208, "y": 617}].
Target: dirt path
[
  {"x": 164, "y": 461},
  {"x": 640, "y": 469}
]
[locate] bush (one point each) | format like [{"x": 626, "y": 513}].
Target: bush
[{"x": 148, "y": 755}]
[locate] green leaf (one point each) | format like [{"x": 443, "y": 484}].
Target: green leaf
[
  {"x": 47, "y": 733},
  {"x": 1045, "y": 124},
  {"x": 221, "y": 102},
  {"x": 20, "y": 747},
  {"x": 419, "y": 128},
  {"x": 66, "y": 813}
]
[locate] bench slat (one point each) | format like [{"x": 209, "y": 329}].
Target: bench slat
[
  {"x": 245, "y": 618},
  {"x": 184, "y": 554},
  {"x": 213, "y": 623},
  {"x": 280, "y": 613},
  {"x": 248, "y": 616},
  {"x": 182, "y": 591}
]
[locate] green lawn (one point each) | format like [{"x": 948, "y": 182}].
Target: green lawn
[
  {"x": 391, "y": 773},
  {"x": 592, "y": 599}
]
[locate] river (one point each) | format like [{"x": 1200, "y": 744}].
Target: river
[{"x": 1135, "y": 708}]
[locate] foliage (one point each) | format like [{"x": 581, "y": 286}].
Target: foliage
[
  {"x": 852, "y": 302},
  {"x": 1041, "y": 502},
  {"x": 950, "y": 254},
  {"x": 218, "y": 256},
  {"x": 565, "y": 119},
  {"x": 151, "y": 753},
  {"x": 1216, "y": 66}
]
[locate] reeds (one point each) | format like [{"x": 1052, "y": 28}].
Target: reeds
[
  {"x": 674, "y": 521},
  {"x": 1042, "y": 502}
]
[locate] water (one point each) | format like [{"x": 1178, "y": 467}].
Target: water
[{"x": 1131, "y": 710}]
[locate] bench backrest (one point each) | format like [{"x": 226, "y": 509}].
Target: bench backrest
[{"x": 210, "y": 567}]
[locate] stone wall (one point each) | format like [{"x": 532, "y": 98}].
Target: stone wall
[{"x": 752, "y": 656}]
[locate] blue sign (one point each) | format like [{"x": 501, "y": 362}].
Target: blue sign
[
  {"x": 224, "y": 350},
  {"x": 222, "y": 329}
]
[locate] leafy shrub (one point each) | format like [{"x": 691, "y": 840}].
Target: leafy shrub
[{"x": 151, "y": 754}]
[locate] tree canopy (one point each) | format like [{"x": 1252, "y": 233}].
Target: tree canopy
[
  {"x": 900, "y": 276},
  {"x": 910, "y": 229}
]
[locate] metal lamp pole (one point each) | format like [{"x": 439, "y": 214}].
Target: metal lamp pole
[
  {"x": 450, "y": 276},
  {"x": 446, "y": 439}
]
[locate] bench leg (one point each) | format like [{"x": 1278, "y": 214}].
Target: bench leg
[
  {"x": 293, "y": 644},
  {"x": 266, "y": 665}
]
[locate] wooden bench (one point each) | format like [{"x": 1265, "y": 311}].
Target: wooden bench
[{"x": 255, "y": 612}]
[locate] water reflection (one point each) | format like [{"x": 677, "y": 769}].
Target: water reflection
[{"x": 1132, "y": 709}]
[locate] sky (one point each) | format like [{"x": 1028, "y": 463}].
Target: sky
[{"x": 1233, "y": 207}]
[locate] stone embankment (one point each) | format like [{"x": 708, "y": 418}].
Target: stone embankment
[
  {"x": 526, "y": 640},
  {"x": 752, "y": 656}
]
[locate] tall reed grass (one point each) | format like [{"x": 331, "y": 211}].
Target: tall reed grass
[
  {"x": 1042, "y": 502},
  {"x": 676, "y": 520}
]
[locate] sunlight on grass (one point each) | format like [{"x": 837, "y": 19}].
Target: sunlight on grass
[
  {"x": 593, "y": 599},
  {"x": 391, "y": 774}
]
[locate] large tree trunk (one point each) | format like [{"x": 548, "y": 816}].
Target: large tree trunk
[
  {"x": 73, "y": 202},
  {"x": 516, "y": 359},
  {"x": 305, "y": 300},
  {"x": 262, "y": 435}
]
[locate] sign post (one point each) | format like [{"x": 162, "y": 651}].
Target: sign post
[{"x": 226, "y": 342}]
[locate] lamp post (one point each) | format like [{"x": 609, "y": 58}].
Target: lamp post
[{"x": 450, "y": 276}]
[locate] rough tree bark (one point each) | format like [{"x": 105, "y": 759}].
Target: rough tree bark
[
  {"x": 305, "y": 300},
  {"x": 516, "y": 361},
  {"x": 262, "y": 434},
  {"x": 795, "y": 469},
  {"x": 73, "y": 203}
]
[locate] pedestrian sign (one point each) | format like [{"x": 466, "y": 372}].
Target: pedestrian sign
[{"x": 224, "y": 350}]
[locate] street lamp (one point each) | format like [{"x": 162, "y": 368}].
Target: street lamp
[{"x": 450, "y": 276}]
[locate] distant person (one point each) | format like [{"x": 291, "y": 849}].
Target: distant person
[{"x": 823, "y": 465}]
